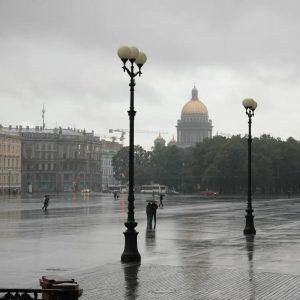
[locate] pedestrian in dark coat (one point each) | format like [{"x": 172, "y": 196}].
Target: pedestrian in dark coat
[
  {"x": 161, "y": 197},
  {"x": 115, "y": 195},
  {"x": 149, "y": 215},
  {"x": 154, "y": 208},
  {"x": 46, "y": 203}
]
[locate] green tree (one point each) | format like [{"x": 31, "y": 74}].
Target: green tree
[
  {"x": 167, "y": 164},
  {"x": 219, "y": 164},
  {"x": 265, "y": 158},
  {"x": 158, "y": 162},
  {"x": 290, "y": 166},
  {"x": 173, "y": 167},
  {"x": 142, "y": 165}
]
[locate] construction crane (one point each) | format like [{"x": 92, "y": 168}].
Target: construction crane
[
  {"x": 112, "y": 137},
  {"x": 123, "y": 132},
  {"x": 225, "y": 134}
]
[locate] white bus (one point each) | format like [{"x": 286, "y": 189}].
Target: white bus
[
  {"x": 122, "y": 189},
  {"x": 156, "y": 189}
]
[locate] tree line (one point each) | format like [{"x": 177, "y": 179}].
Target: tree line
[{"x": 219, "y": 164}]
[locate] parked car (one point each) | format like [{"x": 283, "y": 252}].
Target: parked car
[{"x": 210, "y": 193}]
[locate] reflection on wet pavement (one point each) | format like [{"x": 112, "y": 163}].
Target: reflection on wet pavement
[
  {"x": 131, "y": 281},
  {"x": 150, "y": 239},
  {"x": 79, "y": 233}
]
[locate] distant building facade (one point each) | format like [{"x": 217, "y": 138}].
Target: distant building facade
[
  {"x": 60, "y": 160},
  {"x": 39, "y": 160},
  {"x": 108, "y": 151},
  {"x": 194, "y": 125},
  {"x": 10, "y": 161}
]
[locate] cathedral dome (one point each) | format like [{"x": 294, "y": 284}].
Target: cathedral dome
[
  {"x": 159, "y": 141},
  {"x": 194, "y": 125},
  {"x": 194, "y": 106},
  {"x": 172, "y": 142}
]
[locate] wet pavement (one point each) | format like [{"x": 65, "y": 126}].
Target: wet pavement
[{"x": 198, "y": 250}]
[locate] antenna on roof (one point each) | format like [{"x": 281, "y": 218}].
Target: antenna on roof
[{"x": 43, "y": 116}]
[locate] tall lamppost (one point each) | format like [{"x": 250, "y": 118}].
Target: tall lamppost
[
  {"x": 250, "y": 106},
  {"x": 134, "y": 56}
]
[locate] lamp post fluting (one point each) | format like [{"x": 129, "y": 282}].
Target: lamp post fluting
[
  {"x": 138, "y": 58},
  {"x": 250, "y": 106}
]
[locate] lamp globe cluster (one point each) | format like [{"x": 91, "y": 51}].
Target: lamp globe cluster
[
  {"x": 132, "y": 54},
  {"x": 249, "y": 103}
]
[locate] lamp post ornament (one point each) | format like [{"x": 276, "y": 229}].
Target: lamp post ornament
[
  {"x": 134, "y": 56},
  {"x": 250, "y": 106}
]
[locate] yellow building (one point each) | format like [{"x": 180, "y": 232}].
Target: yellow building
[{"x": 10, "y": 161}]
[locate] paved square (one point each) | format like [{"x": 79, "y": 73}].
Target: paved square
[{"x": 198, "y": 250}]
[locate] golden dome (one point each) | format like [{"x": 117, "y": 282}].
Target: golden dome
[{"x": 194, "y": 106}]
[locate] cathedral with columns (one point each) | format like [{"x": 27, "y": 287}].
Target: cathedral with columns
[{"x": 194, "y": 125}]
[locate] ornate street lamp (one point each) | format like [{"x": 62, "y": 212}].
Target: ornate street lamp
[
  {"x": 134, "y": 56},
  {"x": 250, "y": 106}
]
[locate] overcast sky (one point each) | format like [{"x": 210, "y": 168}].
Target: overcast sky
[{"x": 63, "y": 54}]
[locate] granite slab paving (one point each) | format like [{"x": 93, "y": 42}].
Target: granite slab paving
[
  {"x": 198, "y": 250},
  {"x": 130, "y": 282}
]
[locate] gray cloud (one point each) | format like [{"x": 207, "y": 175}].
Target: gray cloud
[{"x": 63, "y": 54}]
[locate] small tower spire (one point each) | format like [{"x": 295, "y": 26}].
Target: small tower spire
[
  {"x": 43, "y": 116},
  {"x": 194, "y": 93}
]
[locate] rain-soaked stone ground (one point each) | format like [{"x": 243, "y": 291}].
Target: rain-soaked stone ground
[{"x": 198, "y": 250}]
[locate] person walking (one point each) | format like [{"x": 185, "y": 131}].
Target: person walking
[
  {"x": 46, "y": 203},
  {"x": 161, "y": 197},
  {"x": 149, "y": 215},
  {"x": 153, "y": 210}
]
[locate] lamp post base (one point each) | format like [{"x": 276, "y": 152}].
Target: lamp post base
[
  {"x": 249, "y": 228},
  {"x": 130, "y": 253}
]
